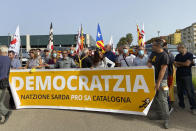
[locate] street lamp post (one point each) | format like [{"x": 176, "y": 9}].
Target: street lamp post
[{"x": 158, "y": 32}]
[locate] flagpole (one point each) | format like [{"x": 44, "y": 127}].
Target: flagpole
[{"x": 8, "y": 40}]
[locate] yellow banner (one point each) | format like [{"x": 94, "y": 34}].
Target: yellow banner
[{"x": 122, "y": 90}]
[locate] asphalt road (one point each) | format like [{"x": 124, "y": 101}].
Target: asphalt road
[{"x": 70, "y": 120}]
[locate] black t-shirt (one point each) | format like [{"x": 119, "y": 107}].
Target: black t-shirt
[
  {"x": 184, "y": 70},
  {"x": 87, "y": 62},
  {"x": 157, "y": 60}
]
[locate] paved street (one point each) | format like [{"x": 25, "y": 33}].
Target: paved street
[{"x": 68, "y": 120}]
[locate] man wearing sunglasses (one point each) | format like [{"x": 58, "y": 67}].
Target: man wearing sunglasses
[
  {"x": 65, "y": 62},
  {"x": 160, "y": 60}
]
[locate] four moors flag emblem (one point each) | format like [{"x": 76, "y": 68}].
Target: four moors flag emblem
[{"x": 15, "y": 43}]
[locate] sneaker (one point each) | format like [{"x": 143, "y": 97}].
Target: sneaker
[
  {"x": 171, "y": 110},
  {"x": 166, "y": 124},
  {"x": 2, "y": 119},
  {"x": 194, "y": 111},
  {"x": 7, "y": 116}
]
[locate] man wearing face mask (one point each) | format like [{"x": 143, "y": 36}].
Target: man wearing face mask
[
  {"x": 184, "y": 62},
  {"x": 125, "y": 59},
  {"x": 52, "y": 61},
  {"x": 142, "y": 58}
]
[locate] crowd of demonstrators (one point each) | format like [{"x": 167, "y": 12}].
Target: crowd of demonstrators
[{"x": 163, "y": 61}]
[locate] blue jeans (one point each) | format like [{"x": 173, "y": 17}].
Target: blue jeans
[{"x": 184, "y": 84}]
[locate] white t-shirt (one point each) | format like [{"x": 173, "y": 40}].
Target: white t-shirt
[
  {"x": 140, "y": 61},
  {"x": 104, "y": 63},
  {"x": 129, "y": 60}
]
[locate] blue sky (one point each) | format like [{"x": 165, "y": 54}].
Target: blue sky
[{"x": 116, "y": 17}]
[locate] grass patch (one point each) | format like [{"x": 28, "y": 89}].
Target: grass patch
[{"x": 194, "y": 81}]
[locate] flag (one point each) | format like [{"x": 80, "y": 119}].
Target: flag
[
  {"x": 143, "y": 36},
  {"x": 15, "y": 43},
  {"x": 78, "y": 46},
  {"x": 81, "y": 38},
  {"x": 50, "y": 43},
  {"x": 140, "y": 36},
  {"x": 99, "y": 39},
  {"x": 112, "y": 44}
]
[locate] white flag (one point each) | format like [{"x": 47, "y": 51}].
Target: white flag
[
  {"x": 15, "y": 43},
  {"x": 112, "y": 44},
  {"x": 50, "y": 43},
  {"x": 78, "y": 46}
]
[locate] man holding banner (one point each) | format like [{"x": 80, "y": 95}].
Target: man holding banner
[{"x": 160, "y": 60}]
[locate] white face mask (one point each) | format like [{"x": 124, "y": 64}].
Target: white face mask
[{"x": 125, "y": 51}]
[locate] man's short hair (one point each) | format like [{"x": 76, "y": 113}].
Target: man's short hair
[
  {"x": 85, "y": 51},
  {"x": 126, "y": 46},
  {"x": 12, "y": 52},
  {"x": 46, "y": 50},
  {"x": 159, "y": 41},
  {"x": 4, "y": 49},
  {"x": 181, "y": 46}
]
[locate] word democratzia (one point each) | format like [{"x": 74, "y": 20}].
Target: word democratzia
[{"x": 48, "y": 82}]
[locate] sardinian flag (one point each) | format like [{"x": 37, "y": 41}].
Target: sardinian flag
[
  {"x": 50, "y": 44},
  {"x": 15, "y": 43}
]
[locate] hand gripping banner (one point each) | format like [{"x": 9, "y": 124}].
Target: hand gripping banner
[{"x": 119, "y": 90}]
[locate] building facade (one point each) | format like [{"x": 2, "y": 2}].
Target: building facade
[
  {"x": 188, "y": 37},
  {"x": 41, "y": 41},
  {"x": 175, "y": 38}
]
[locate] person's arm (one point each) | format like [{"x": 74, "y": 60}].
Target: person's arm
[
  {"x": 40, "y": 64},
  {"x": 188, "y": 62},
  {"x": 180, "y": 64},
  {"x": 161, "y": 75},
  {"x": 26, "y": 66},
  {"x": 108, "y": 61},
  {"x": 149, "y": 63},
  {"x": 73, "y": 64}
]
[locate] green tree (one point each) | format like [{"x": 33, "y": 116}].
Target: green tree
[
  {"x": 125, "y": 40},
  {"x": 129, "y": 38}
]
